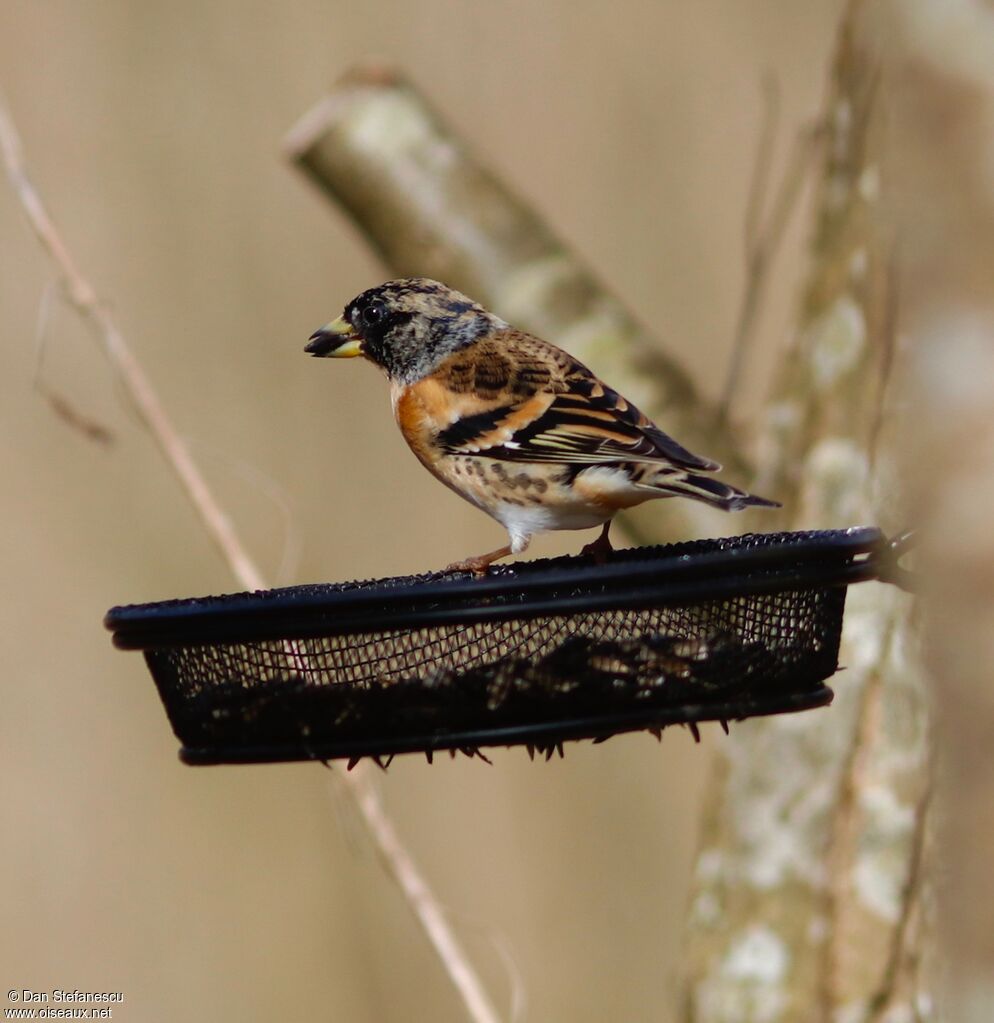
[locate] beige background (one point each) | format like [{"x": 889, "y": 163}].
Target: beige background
[{"x": 154, "y": 129}]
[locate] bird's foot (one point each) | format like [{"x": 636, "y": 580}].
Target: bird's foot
[
  {"x": 600, "y": 548},
  {"x": 478, "y": 565}
]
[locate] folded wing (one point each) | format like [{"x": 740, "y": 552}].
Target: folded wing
[{"x": 583, "y": 422}]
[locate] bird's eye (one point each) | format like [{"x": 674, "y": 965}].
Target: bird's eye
[{"x": 374, "y": 314}]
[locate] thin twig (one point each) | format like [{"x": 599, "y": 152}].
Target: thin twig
[
  {"x": 755, "y": 247},
  {"x": 843, "y": 836},
  {"x": 910, "y": 901},
  {"x": 65, "y": 409},
  {"x": 276, "y": 495},
  {"x": 398, "y": 863},
  {"x": 90, "y": 428},
  {"x": 84, "y": 299},
  {"x": 763, "y": 239},
  {"x": 760, "y": 181},
  {"x": 888, "y": 348}
]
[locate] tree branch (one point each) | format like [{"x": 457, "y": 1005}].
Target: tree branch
[
  {"x": 139, "y": 389},
  {"x": 814, "y": 825},
  {"x": 429, "y": 207},
  {"x": 399, "y": 863},
  {"x": 941, "y": 84},
  {"x": 764, "y": 236}
]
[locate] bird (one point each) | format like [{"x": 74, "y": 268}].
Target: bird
[{"x": 512, "y": 423}]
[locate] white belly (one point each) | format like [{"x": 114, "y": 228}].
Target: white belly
[{"x": 524, "y": 521}]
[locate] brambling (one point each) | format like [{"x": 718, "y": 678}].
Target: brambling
[{"x": 513, "y": 424}]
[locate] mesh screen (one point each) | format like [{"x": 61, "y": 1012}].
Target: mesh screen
[
  {"x": 537, "y": 653},
  {"x": 443, "y": 685}
]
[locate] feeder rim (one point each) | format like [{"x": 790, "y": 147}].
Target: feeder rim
[{"x": 638, "y": 577}]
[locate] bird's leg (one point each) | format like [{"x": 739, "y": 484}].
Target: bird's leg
[
  {"x": 600, "y": 548},
  {"x": 479, "y": 564}
]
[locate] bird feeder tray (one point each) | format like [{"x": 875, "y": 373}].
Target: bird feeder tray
[{"x": 535, "y": 653}]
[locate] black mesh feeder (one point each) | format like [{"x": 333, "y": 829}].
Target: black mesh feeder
[{"x": 536, "y": 653}]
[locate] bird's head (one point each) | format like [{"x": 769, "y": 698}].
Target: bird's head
[{"x": 407, "y": 327}]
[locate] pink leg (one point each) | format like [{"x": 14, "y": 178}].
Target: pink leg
[{"x": 479, "y": 564}]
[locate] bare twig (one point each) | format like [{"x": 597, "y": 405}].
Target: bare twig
[
  {"x": 78, "y": 421},
  {"x": 398, "y": 863},
  {"x": 759, "y": 184},
  {"x": 910, "y": 903},
  {"x": 273, "y": 492},
  {"x": 844, "y": 836},
  {"x": 888, "y": 337},
  {"x": 763, "y": 238},
  {"x": 84, "y": 299},
  {"x": 65, "y": 409}
]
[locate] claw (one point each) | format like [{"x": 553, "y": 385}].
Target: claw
[{"x": 600, "y": 548}]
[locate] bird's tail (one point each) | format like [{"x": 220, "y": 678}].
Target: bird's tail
[{"x": 706, "y": 489}]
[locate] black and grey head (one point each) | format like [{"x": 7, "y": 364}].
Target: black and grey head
[{"x": 408, "y": 327}]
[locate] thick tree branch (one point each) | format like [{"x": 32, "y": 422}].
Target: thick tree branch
[
  {"x": 807, "y": 878},
  {"x": 942, "y": 122},
  {"x": 429, "y": 207},
  {"x": 807, "y": 903},
  {"x": 154, "y": 417}
]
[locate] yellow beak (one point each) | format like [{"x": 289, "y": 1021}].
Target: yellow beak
[{"x": 335, "y": 340}]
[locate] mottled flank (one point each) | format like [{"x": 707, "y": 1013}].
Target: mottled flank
[{"x": 521, "y": 480}]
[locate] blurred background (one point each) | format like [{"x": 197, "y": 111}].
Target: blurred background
[{"x": 154, "y": 130}]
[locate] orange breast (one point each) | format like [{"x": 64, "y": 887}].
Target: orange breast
[
  {"x": 422, "y": 410},
  {"x": 418, "y": 411}
]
